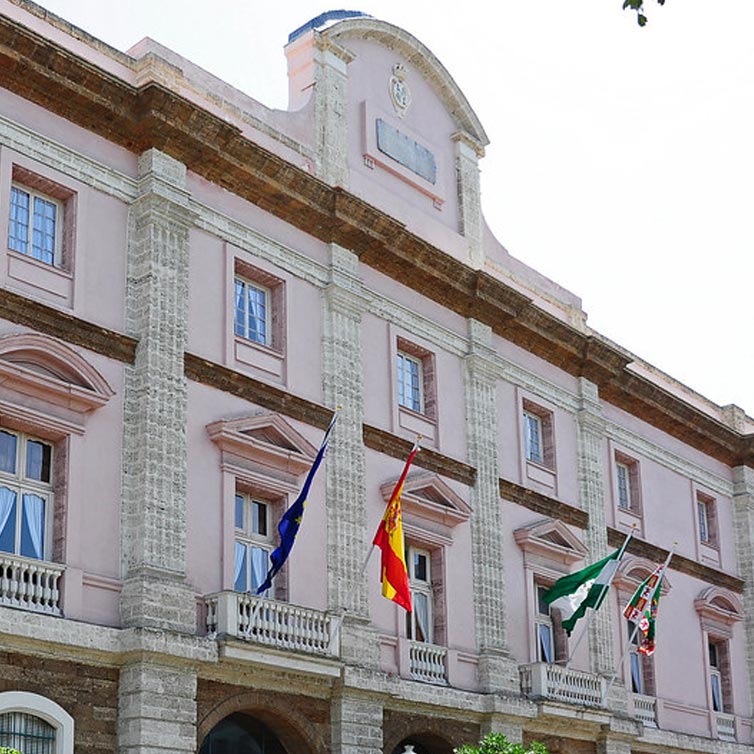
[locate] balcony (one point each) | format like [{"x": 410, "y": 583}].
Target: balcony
[
  {"x": 645, "y": 709},
  {"x": 428, "y": 663},
  {"x": 555, "y": 683},
  {"x": 726, "y": 726},
  {"x": 273, "y": 624},
  {"x": 30, "y": 584}
]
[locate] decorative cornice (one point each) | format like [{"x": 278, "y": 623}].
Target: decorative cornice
[
  {"x": 151, "y": 116},
  {"x": 678, "y": 563}
]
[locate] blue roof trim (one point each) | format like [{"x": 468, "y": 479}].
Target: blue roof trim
[{"x": 322, "y": 19}]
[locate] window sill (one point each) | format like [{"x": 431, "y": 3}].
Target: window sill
[
  {"x": 543, "y": 478},
  {"x": 419, "y": 424},
  {"x": 262, "y": 358},
  {"x": 53, "y": 283}
]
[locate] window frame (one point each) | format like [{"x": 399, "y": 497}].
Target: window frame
[
  {"x": 247, "y": 537},
  {"x": 427, "y": 389},
  {"x": 33, "y": 196},
  {"x": 402, "y": 359},
  {"x": 543, "y": 418},
  {"x": 423, "y": 587},
  {"x": 22, "y": 485},
  {"x": 266, "y": 294},
  {"x": 707, "y": 523}
]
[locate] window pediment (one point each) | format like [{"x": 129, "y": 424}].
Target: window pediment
[
  {"x": 266, "y": 438},
  {"x": 551, "y": 540},
  {"x": 632, "y": 571},
  {"x": 427, "y": 496},
  {"x": 718, "y": 609},
  {"x": 44, "y": 368}
]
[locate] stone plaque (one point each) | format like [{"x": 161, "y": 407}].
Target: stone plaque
[{"x": 405, "y": 151}]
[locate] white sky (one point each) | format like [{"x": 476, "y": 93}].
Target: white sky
[{"x": 621, "y": 162}]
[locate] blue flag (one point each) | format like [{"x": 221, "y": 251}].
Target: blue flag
[{"x": 291, "y": 520}]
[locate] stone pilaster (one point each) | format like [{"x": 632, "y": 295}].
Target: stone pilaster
[
  {"x": 468, "y": 153},
  {"x": 331, "y": 110},
  {"x": 613, "y": 745},
  {"x": 743, "y": 511},
  {"x": 153, "y": 513},
  {"x": 356, "y": 724},
  {"x": 347, "y": 539},
  {"x": 496, "y": 669},
  {"x": 156, "y": 710},
  {"x": 591, "y": 477},
  {"x": 513, "y": 731}
]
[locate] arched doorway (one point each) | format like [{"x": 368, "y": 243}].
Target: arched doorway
[{"x": 241, "y": 734}]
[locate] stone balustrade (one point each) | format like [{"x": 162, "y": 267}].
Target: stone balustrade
[{"x": 30, "y": 584}]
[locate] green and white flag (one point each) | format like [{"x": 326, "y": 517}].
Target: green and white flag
[{"x": 574, "y": 593}]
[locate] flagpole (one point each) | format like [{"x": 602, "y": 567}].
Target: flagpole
[
  {"x": 636, "y": 627},
  {"x": 416, "y": 448},
  {"x": 604, "y": 589}
]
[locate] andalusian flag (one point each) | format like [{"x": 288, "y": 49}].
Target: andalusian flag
[
  {"x": 389, "y": 538},
  {"x": 642, "y": 609},
  {"x": 291, "y": 520}
]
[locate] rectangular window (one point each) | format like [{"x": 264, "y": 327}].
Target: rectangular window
[
  {"x": 410, "y": 393},
  {"x": 420, "y": 621},
  {"x": 716, "y": 676},
  {"x": 533, "y": 438},
  {"x": 415, "y": 378},
  {"x": 252, "y": 310},
  {"x": 627, "y": 487},
  {"x": 539, "y": 445},
  {"x": 253, "y": 543},
  {"x": 707, "y": 518},
  {"x": 25, "y": 494},
  {"x": 544, "y": 628},
  {"x": 34, "y": 226}
]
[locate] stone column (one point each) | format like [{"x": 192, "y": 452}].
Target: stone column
[
  {"x": 347, "y": 539},
  {"x": 743, "y": 511},
  {"x": 156, "y": 710},
  {"x": 591, "y": 476},
  {"x": 468, "y": 153},
  {"x": 497, "y": 671},
  {"x": 153, "y": 513},
  {"x": 356, "y": 724}
]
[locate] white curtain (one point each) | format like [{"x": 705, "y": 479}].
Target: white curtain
[
  {"x": 545, "y": 641},
  {"x": 259, "y": 560},
  {"x": 239, "y": 576},
  {"x": 421, "y": 609},
  {"x": 7, "y": 501},
  {"x": 34, "y": 515}
]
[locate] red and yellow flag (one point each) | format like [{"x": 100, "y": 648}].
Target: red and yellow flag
[{"x": 389, "y": 538}]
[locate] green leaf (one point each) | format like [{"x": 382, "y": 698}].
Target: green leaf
[{"x": 642, "y": 19}]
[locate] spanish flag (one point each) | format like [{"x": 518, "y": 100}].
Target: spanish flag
[{"x": 389, "y": 538}]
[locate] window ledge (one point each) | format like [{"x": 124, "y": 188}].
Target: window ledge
[{"x": 265, "y": 358}]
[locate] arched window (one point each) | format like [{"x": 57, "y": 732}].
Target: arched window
[
  {"x": 34, "y": 724},
  {"x": 241, "y": 734}
]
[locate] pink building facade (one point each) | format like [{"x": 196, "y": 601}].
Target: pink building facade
[{"x": 191, "y": 283}]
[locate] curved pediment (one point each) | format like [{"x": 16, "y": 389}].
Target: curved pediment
[
  {"x": 552, "y": 540},
  {"x": 718, "y": 608},
  {"x": 632, "y": 571},
  {"x": 267, "y": 438},
  {"x": 419, "y": 56},
  {"x": 45, "y": 368}
]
